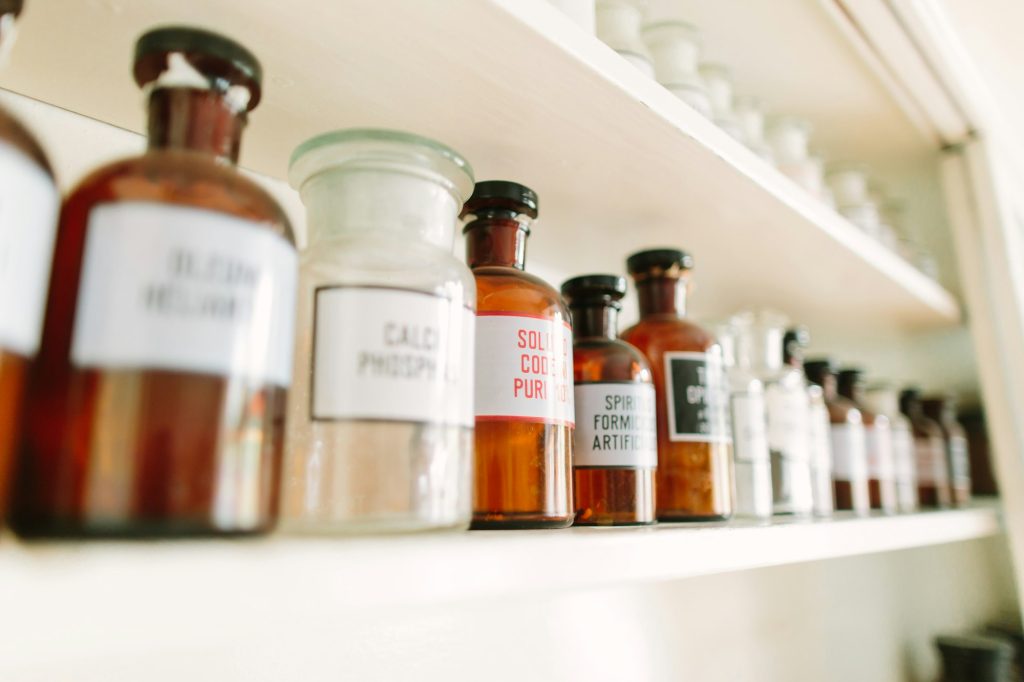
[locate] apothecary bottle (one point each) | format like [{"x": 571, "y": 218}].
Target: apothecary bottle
[
  {"x": 942, "y": 409},
  {"x": 694, "y": 476},
  {"x": 157, "y": 404},
  {"x": 878, "y": 443},
  {"x": 616, "y": 447},
  {"x": 819, "y": 426},
  {"x": 752, "y": 470},
  {"x": 883, "y": 399},
  {"x": 929, "y": 452},
  {"x": 849, "y": 442},
  {"x": 524, "y": 370},
  {"x": 380, "y": 432},
  {"x": 29, "y": 203}
]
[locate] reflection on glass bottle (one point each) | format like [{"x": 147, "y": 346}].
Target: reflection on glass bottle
[
  {"x": 616, "y": 448},
  {"x": 694, "y": 479},
  {"x": 878, "y": 440},
  {"x": 794, "y": 343},
  {"x": 929, "y": 452},
  {"x": 157, "y": 404},
  {"x": 524, "y": 389}
]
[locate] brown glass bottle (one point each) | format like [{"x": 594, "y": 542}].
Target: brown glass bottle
[
  {"x": 849, "y": 443},
  {"x": 616, "y": 443},
  {"x": 524, "y": 392},
  {"x": 878, "y": 443},
  {"x": 28, "y": 214},
  {"x": 942, "y": 409},
  {"x": 157, "y": 404},
  {"x": 929, "y": 453},
  {"x": 694, "y": 475}
]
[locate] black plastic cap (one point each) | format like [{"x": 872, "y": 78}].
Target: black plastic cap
[
  {"x": 975, "y": 658},
  {"x": 910, "y": 397},
  {"x": 851, "y": 374},
  {"x": 11, "y": 7},
  {"x": 594, "y": 290},
  {"x": 819, "y": 368},
  {"x": 794, "y": 341},
  {"x": 210, "y": 53},
  {"x": 502, "y": 195},
  {"x": 643, "y": 262}
]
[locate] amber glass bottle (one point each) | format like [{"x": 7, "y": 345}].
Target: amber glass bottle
[
  {"x": 524, "y": 391},
  {"x": 694, "y": 475},
  {"x": 616, "y": 438},
  {"x": 942, "y": 409},
  {"x": 878, "y": 443},
  {"x": 929, "y": 453},
  {"x": 28, "y": 218},
  {"x": 849, "y": 442},
  {"x": 157, "y": 404}
]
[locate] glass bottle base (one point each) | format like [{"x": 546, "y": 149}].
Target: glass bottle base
[
  {"x": 521, "y": 521},
  {"x": 74, "y": 529},
  {"x": 664, "y": 517}
]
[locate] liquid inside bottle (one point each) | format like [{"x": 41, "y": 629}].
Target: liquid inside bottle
[
  {"x": 694, "y": 476},
  {"x": 157, "y": 403},
  {"x": 524, "y": 368},
  {"x": 616, "y": 447}
]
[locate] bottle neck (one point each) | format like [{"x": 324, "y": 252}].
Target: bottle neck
[
  {"x": 852, "y": 390},
  {"x": 497, "y": 241},
  {"x": 195, "y": 120},
  {"x": 662, "y": 296},
  {"x": 594, "y": 321}
]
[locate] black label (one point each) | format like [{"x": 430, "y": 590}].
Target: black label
[{"x": 697, "y": 398}]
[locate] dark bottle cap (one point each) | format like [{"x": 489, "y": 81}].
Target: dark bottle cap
[
  {"x": 659, "y": 262},
  {"x": 501, "y": 195},
  {"x": 849, "y": 379},
  {"x": 794, "y": 341},
  {"x": 819, "y": 368},
  {"x": 595, "y": 290},
  {"x": 11, "y": 7},
  {"x": 223, "y": 61},
  {"x": 910, "y": 397},
  {"x": 975, "y": 658}
]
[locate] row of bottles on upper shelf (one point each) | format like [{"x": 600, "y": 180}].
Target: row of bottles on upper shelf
[
  {"x": 670, "y": 52},
  {"x": 150, "y": 394}
]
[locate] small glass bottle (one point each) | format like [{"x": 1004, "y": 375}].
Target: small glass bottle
[
  {"x": 942, "y": 409},
  {"x": 884, "y": 400},
  {"x": 617, "y": 25},
  {"x": 790, "y": 139},
  {"x": 794, "y": 343},
  {"x": 760, "y": 350},
  {"x": 929, "y": 453},
  {"x": 29, "y": 203},
  {"x": 752, "y": 469},
  {"x": 157, "y": 403},
  {"x": 675, "y": 48},
  {"x": 616, "y": 443},
  {"x": 849, "y": 443},
  {"x": 380, "y": 428},
  {"x": 878, "y": 440},
  {"x": 694, "y": 477},
  {"x": 524, "y": 369}
]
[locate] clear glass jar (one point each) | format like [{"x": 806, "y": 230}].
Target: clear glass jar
[
  {"x": 759, "y": 349},
  {"x": 750, "y": 117},
  {"x": 883, "y": 399},
  {"x": 617, "y": 25},
  {"x": 794, "y": 344},
  {"x": 718, "y": 80},
  {"x": 380, "y": 421},
  {"x": 789, "y": 138},
  {"x": 675, "y": 48},
  {"x": 752, "y": 472}
]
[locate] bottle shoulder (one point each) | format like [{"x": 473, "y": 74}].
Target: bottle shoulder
[
  {"x": 659, "y": 334},
  {"x": 14, "y": 133},
  {"x": 180, "y": 178},
  {"x": 504, "y": 289},
  {"x": 600, "y": 359}
]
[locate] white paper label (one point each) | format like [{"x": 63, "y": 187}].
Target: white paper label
[
  {"x": 930, "y": 455},
  {"x": 392, "y": 354},
  {"x": 820, "y": 440},
  {"x": 959, "y": 461},
  {"x": 749, "y": 427},
  {"x": 615, "y": 425},
  {"x": 28, "y": 225},
  {"x": 788, "y": 422},
  {"x": 903, "y": 454},
  {"x": 523, "y": 369},
  {"x": 180, "y": 288},
  {"x": 880, "y": 454},
  {"x": 849, "y": 453}
]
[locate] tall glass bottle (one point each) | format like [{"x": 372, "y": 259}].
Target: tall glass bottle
[
  {"x": 849, "y": 442},
  {"x": 694, "y": 478},
  {"x": 524, "y": 388},
  {"x": 942, "y": 409},
  {"x": 28, "y": 220},
  {"x": 616, "y": 449},
  {"x": 819, "y": 427},
  {"x": 929, "y": 452},
  {"x": 883, "y": 399},
  {"x": 157, "y": 404},
  {"x": 878, "y": 441},
  {"x": 752, "y": 469},
  {"x": 787, "y": 407},
  {"x": 380, "y": 429}
]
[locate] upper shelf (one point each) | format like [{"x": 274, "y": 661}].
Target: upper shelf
[{"x": 619, "y": 162}]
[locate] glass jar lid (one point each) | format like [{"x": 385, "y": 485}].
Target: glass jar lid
[{"x": 382, "y": 150}]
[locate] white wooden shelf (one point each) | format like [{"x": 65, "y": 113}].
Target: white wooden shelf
[{"x": 619, "y": 163}]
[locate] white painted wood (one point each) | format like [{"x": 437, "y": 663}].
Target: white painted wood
[{"x": 620, "y": 164}]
